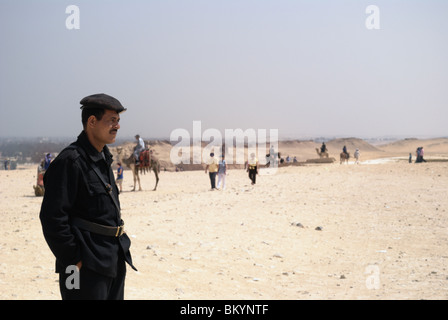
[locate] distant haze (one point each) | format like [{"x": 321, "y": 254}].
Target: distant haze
[{"x": 306, "y": 68}]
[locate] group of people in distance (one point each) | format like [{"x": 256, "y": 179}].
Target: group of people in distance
[
  {"x": 357, "y": 154},
  {"x": 419, "y": 155},
  {"x": 216, "y": 167}
]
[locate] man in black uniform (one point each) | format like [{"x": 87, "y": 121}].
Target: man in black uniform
[{"x": 80, "y": 212}]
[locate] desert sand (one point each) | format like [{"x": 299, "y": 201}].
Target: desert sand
[{"x": 376, "y": 230}]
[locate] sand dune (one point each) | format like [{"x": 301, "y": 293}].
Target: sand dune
[{"x": 431, "y": 146}]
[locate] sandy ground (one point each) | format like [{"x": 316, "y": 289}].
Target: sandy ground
[{"x": 383, "y": 234}]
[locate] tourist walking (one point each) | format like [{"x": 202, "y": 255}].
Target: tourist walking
[
  {"x": 252, "y": 168},
  {"x": 212, "y": 168},
  {"x": 222, "y": 172}
]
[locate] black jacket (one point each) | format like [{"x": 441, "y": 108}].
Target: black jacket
[{"x": 72, "y": 189}]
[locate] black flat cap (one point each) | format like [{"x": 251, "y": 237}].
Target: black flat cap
[{"x": 102, "y": 101}]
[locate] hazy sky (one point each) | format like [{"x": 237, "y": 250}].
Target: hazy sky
[{"x": 306, "y": 68}]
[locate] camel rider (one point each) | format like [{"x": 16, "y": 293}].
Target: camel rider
[
  {"x": 344, "y": 150},
  {"x": 138, "y": 148},
  {"x": 323, "y": 148}
]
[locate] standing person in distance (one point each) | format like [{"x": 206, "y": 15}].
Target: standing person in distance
[
  {"x": 252, "y": 168},
  {"x": 119, "y": 180},
  {"x": 222, "y": 173},
  {"x": 212, "y": 167}
]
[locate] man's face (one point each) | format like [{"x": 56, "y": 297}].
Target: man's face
[{"x": 105, "y": 130}]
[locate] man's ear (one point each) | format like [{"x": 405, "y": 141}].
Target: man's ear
[{"x": 91, "y": 122}]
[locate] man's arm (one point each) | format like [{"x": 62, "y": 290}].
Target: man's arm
[{"x": 61, "y": 185}]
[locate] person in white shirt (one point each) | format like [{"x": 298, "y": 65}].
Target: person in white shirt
[
  {"x": 222, "y": 172},
  {"x": 138, "y": 148}
]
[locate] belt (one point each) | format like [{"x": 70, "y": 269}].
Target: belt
[{"x": 98, "y": 228}]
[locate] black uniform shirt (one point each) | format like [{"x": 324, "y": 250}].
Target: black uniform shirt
[{"x": 72, "y": 189}]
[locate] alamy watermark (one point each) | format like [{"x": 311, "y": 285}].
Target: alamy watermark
[
  {"x": 373, "y": 277},
  {"x": 373, "y": 20},
  {"x": 73, "y": 20},
  {"x": 233, "y": 145},
  {"x": 72, "y": 281}
]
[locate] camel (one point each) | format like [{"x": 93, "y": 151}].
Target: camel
[
  {"x": 322, "y": 154},
  {"x": 153, "y": 164},
  {"x": 344, "y": 157}
]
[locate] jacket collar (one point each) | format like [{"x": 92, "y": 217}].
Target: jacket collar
[{"x": 92, "y": 153}]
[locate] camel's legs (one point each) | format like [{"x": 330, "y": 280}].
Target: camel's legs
[{"x": 155, "y": 169}]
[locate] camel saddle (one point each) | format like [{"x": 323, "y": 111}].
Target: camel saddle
[{"x": 145, "y": 158}]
